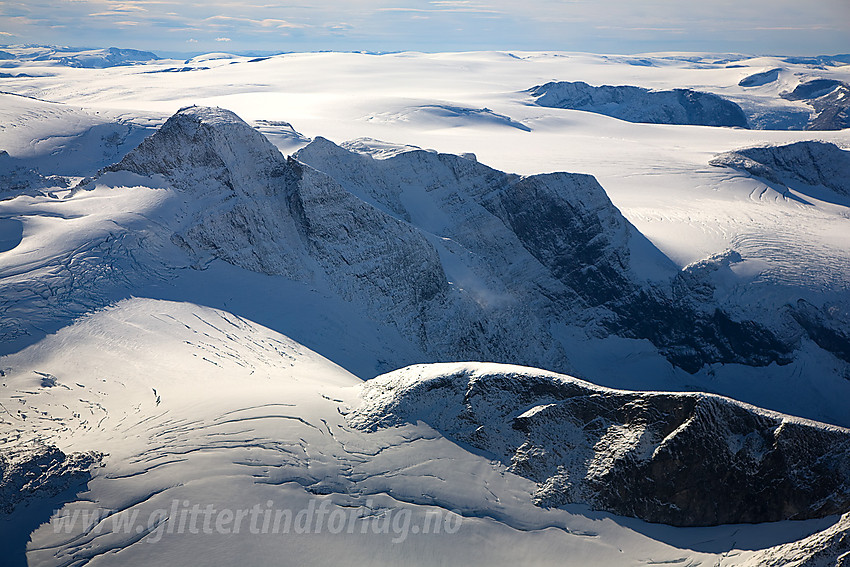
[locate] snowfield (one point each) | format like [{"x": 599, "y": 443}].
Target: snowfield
[
  {"x": 185, "y": 404},
  {"x": 204, "y": 312}
]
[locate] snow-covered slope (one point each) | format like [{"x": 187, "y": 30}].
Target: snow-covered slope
[
  {"x": 449, "y": 258},
  {"x": 187, "y": 408},
  {"x": 380, "y": 240},
  {"x": 681, "y": 459},
  {"x": 47, "y": 145},
  {"x": 655, "y": 174},
  {"x": 812, "y": 164}
]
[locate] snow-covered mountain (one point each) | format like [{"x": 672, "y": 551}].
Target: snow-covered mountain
[
  {"x": 811, "y": 165},
  {"x": 185, "y": 315},
  {"x": 79, "y": 57},
  {"x": 61, "y": 144},
  {"x": 680, "y": 459},
  {"x": 634, "y": 104},
  {"x": 456, "y": 259},
  {"x": 181, "y": 405},
  {"x": 462, "y": 261},
  {"x": 828, "y": 99}
]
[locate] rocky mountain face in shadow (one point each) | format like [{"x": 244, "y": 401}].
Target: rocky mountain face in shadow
[
  {"x": 760, "y": 79},
  {"x": 467, "y": 262},
  {"x": 675, "y": 458},
  {"x": 572, "y": 244},
  {"x": 40, "y": 471},
  {"x": 636, "y": 104},
  {"x": 830, "y": 100},
  {"x": 461, "y": 260}
]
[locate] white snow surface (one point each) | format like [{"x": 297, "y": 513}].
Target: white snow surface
[
  {"x": 657, "y": 175},
  {"x": 192, "y": 404}
]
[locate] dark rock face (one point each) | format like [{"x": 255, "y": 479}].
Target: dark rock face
[
  {"x": 41, "y": 471},
  {"x": 680, "y": 459},
  {"x": 575, "y": 243},
  {"x": 568, "y": 240},
  {"x": 690, "y": 338},
  {"x": 828, "y": 330},
  {"x": 833, "y": 110},
  {"x": 830, "y": 100},
  {"x": 760, "y": 79},
  {"x": 635, "y": 104},
  {"x": 812, "y": 89},
  {"x": 535, "y": 251}
]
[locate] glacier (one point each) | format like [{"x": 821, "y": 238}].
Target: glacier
[{"x": 201, "y": 312}]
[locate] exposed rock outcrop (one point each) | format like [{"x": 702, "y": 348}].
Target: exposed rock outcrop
[
  {"x": 811, "y": 163},
  {"x": 557, "y": 245},
  {"x": 40, "y": 471},
  {"x": 465, "y": 261},
  {"x": 829, "y": 98},
  {"x": 760, "y": 79},
  {"x": 256, "y": 209},
  {"x": 676, "y": 458},
  {"x": 635, "y": 104}
]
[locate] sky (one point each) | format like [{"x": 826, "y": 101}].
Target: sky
[{"x": 784, "y": 27}]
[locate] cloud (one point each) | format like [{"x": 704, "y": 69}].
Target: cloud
[
  {"x": 275, "y": 23},
  {"x": 641, "y": 28},
  {"x": 222, "y": 39},
  {"x": 814, "y": 27},
  {"x": 220, "y": 21},
  {"x": 460, "y": 4},
  {"x": 614, "y": 26},
  {"x": 339, "y": 27},
  {"x": 447, "y": 9},
  {"x": 120, "y": 10},
  {"x": 191, "y": 40},
  {"x": 450, "y": 6}
]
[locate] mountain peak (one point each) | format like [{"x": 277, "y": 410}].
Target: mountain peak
[
  {"x": 200, "y": 140},
  {"x": 210, "y": 115}
]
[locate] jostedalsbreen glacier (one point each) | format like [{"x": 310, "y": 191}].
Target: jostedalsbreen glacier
[{"x": 155, "y": 384}]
